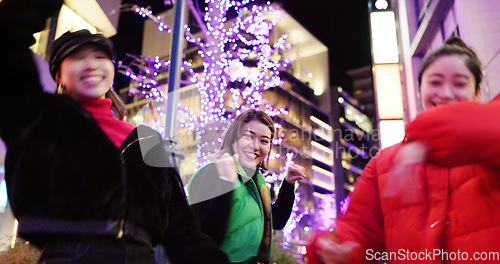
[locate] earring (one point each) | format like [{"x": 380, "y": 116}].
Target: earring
[{"x": 59, "y": 89}]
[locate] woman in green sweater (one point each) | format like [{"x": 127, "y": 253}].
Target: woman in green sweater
[{"x": 230, "y": 197}]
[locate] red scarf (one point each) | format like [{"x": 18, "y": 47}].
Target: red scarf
[{"x": 100, "y": 109}]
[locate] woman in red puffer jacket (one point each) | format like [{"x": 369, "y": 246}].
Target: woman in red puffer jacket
[{"x": 435, "y": 198}]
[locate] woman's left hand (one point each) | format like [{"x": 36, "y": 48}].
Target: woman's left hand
[{"x": 295, "y": 173}]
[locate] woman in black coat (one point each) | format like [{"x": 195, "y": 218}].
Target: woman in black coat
[{"x": 84, "y": 185}]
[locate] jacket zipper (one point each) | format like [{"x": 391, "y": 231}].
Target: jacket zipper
[
  {"x": 258, "y": 196},
  {"x": 120, "y": 233},
  {"x": 120, "y": 230},
  {"x": 130, "y": 144},
  {"x": 262, "y": 210}
]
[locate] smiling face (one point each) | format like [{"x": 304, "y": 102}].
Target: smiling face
[
  {"x": 87, "y": 72},
  {"x": 447, "y": 80},
  {"x": 254, "y": 145}
]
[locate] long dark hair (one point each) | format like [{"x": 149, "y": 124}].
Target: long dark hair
[
  {"x": 234, "y": 132},
  {"x": 454, "y": 45},
  {"x": 118, "y": 106}
]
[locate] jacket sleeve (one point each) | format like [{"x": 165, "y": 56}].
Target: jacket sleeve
[
  {"x": 19, "y": 20},
  {"x": 185, "y": 241},
  {"x": 282, "y": 207},
  {"x": 363, "y": 221},
  {"x": 211, "y": 199},
  {"x": 459, "y": 134}
]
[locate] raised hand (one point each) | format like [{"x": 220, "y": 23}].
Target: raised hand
[
  {"x": 331, "y": 252},
  {"x": 226, "y": 166},
  {"x": 295, "y": 173}
]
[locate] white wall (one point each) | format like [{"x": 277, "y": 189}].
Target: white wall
[{"x": 479, "y": 27}]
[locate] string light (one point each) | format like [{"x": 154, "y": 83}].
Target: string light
[
  {"x": 327, "y": 211},
  {"x": 294, "y": 219},
  {"x": 344, "y": 204}
]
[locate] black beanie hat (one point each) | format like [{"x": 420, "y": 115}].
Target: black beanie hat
[{"x": 69, "y": 41}]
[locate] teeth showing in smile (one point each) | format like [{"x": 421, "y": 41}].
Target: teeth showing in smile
[
  {"x": 251, "y": 155},
  {"x": 92, "y": 79}
]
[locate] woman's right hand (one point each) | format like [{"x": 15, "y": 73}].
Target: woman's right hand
[
  {"x": 326, "y": 249},
  {"x": 226, "y": 167},
  {"x": 331, "y": 252}
]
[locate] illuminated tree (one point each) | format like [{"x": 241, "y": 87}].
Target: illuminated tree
[{"x": 236, "y": 52}]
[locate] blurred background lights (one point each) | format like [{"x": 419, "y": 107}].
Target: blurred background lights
[{"x": 381, "y": 4}]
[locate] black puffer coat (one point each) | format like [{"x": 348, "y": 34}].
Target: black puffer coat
[{"x": 60, "y": 164}]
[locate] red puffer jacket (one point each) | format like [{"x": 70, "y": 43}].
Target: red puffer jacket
[{"x": 455, "y": 217}]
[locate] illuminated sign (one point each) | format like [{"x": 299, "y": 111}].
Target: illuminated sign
[
  {"x": 384, "y": 38},
  {"x": 388, "y": 89}
]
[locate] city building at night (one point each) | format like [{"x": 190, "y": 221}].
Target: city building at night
[
  {"x": 358, "y": 138},
  {"x": 423, "y": 25},
  {"x": 362, "y": 89},
  {"x": 355, "y": 136}
]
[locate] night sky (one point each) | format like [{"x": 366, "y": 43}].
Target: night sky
[{"x": 342, "y": 25}]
